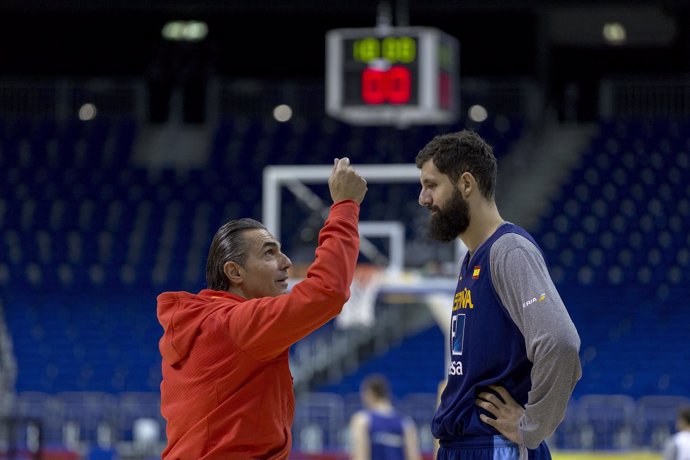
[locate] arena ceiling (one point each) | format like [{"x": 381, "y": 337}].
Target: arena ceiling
[
  {"x": 282, "y": 39},
  {"x": 308, "y": 6}
]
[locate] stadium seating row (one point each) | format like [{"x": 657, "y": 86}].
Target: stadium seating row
[{"x": 83, "y": 420}]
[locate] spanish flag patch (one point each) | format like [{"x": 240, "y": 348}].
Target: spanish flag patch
[{"x": 475, "y": 272}]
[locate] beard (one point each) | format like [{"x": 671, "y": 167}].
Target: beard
[{"x": 448, "y": 223}]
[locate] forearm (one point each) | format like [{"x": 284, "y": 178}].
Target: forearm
[
  {"x": 554, "y": 375},
  {"x": 338, "y": 249}
]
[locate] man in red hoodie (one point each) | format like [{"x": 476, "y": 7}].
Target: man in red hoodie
[{"x": 227, "y": 389}]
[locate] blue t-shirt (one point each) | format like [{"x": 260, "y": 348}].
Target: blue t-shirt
[{"x": 386, "y": 435}]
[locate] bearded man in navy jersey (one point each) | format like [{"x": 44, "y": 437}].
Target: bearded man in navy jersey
[{"x": 513, "y": 346}]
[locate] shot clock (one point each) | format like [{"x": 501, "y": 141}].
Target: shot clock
[{"x": 392, "y": 76}]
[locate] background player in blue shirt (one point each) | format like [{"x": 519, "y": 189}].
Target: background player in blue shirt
[
  {"x": 513, "y": 346},
  {"x": 379, "y": 432}
]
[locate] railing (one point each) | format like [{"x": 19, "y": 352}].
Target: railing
[
  {"x": 661, "y": 97},
  {"x": 328, "y": 356},
  {"x": 64, "y": 97},
  {"x": 67, "y": 98},
  {"x": 61, "y": 98}
]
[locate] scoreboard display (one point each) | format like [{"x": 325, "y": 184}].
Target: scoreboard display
[{"x": 392, "y": 76}]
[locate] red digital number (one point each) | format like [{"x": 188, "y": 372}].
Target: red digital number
[{"x": 392, "y": 86}]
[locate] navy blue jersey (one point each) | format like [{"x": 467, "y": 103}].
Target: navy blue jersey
[
  {"x": 386, "y": 435},
  {"x": 486, "y": 347}
]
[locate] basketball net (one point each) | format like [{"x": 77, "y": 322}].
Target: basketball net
[{"x": 359, "y": 309}]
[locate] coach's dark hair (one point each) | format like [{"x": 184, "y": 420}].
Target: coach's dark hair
[
  {"x": 228, "y": 245},
  {"x": 455, "y": 153}
]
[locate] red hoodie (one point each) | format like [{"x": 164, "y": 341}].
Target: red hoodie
[{"x": 227, "y": 388}]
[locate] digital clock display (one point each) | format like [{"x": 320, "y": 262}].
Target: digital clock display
[
  {"x": 401, "y": 75},
  {"x": 381, "y": 70}
]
